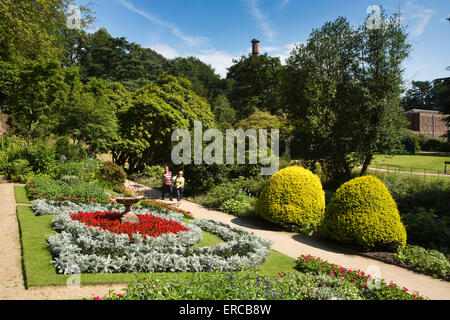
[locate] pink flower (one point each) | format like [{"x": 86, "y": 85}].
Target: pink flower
[
  {"x": 342, "y": 275},
  {"x": 331, "y": 274},
  {"x": 96, "y": 298},
  {"x": 352, "y": 279},
  {"x": 405, "y": 289}
]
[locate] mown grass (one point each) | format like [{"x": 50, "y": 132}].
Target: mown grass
[
  {"x": 21, "y": 194},
  {"x": 40, "y": 272},
  {"x": 417, "y": 162}
]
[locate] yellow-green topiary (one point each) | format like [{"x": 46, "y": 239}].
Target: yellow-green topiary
[
  {"x": 363, "y": 213},
  {"x": 293, "y": 195}
]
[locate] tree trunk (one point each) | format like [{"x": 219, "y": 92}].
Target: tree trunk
[{"x": 366, "y": 164}]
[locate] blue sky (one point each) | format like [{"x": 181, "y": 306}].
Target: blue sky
[{"x": 218, "y": 31}]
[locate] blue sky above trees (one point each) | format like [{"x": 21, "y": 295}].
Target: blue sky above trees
[{"x": 218, "y": 31}]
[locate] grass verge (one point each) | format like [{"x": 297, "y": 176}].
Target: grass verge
[
  {"x": 40, "y": 272},
  {"x": 21, "y": 194}
]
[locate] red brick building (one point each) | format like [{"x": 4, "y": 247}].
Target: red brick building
[{"x": 427, "y": 122}]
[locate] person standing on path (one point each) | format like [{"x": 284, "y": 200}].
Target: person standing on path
[
  {"x": 178, "y": 181},
  {"x": 167, "y": 183}
]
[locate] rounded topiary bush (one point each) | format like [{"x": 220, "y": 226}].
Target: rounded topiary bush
[
  {"x": 363, "y": 213},
  {"x": 293, "y": 195}
]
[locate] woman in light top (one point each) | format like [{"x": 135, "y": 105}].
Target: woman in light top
[{"x": 178, "y": 181}]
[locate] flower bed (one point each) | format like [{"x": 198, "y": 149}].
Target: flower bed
[
  {"x": 148, "y": 225},
  {"x": 57, "y": 190},
  {"x": 91, "y": 249},
  {"x": 368, "y": 286}
]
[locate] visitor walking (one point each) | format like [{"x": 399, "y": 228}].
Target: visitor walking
[
  {"x": 167, "y": 183},
  {"x": 179, "y": 185}
]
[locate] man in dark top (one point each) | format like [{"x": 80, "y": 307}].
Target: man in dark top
[{"x": 167, "y": 183}]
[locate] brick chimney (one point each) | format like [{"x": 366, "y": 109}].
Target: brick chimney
[{"x": 255, "y": 47}]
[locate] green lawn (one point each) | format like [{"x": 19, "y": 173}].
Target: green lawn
[
  {"x": 418, "y": 162},
  {"x": 40, "y": 272},
  {"x": 21, "y": 194}
]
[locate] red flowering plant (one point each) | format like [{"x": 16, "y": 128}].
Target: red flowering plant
[
  {"x": 148, "y": 225},
  {"x": 369, "y": 288}
]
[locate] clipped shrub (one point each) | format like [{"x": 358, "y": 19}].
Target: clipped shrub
[
  {"x": 111, "y": 174},
  {"x": 293, "y": 195},
  {"x": 363, "y": 213}
]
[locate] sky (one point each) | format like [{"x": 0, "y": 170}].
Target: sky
[{"x": 218, "y": 31}]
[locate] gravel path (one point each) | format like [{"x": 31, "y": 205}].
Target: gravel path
[{"x": 12, "y": 285}]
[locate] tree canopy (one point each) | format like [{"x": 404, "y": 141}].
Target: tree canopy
[
  {"x": 342, "y": 91},
  {"x": 155, "y": 111},
  {"x": 255, "y": 84}
]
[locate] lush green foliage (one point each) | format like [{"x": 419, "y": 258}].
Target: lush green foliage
[
  {"x": 238, "y": 207},
  {"x": 236, "y": 197},
  {"x": 342, "y": 90},
  {"x": 366, "y": 285},
  {"x": 256, "y": 80},
  {"x": 156, "y": 111},
  {"x": 46, "y": 188},
  {"x": 431, "y": 262},
  {"x": 363, "y": 213},
  {"x": 84, "y": 170},
  {"x": 237, "y": 286},
  {"x": 424, "y": 208},
  {"x": 111, "y": 174},
  {"x": 292, "y": 196}
]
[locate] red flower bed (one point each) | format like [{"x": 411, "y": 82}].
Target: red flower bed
[{"x": 148, "y": 225}]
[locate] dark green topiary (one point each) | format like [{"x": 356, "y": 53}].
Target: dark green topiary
[
  {"x": 292, "y": 196},
  {"x": 363, "y": 213}
]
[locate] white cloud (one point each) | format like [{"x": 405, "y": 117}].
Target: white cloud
[
  {"x": 284, "y": 52},
  {"x": 219, "y": 60},
  {"x": 417, "y": 17},
  {"x": 165, "y": 50},
  {"x": 193, "y": 41},
  {"x": 284, "y": 3},
  {"x": 262, "y": 21}
]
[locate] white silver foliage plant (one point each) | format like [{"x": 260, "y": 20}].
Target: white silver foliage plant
[{"x": 94, "y": 250}]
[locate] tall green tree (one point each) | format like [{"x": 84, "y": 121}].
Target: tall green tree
[
  {"x": 205, "y": 82},
  {"x": 156, "y": 110},
  {"x": 255, "y": 84},
  {"x": 342, "y": 92},
  {"x": 99, "y": 55},
  {"x": 442, "y": 97},
  {"x": 420, "y": 96},
  {"x": 38, "y": 90},
  {"x": 89, "y": 115}
]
